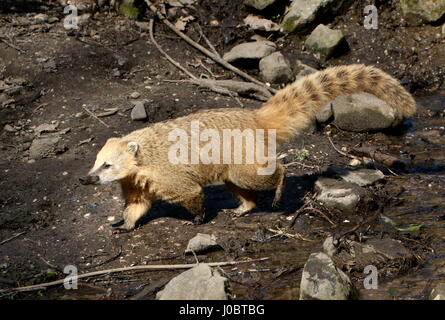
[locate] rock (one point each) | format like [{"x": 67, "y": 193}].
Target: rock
[
  {"x": 250, "y": 51},
  {"x": 321, "y": 280},
  {"x": 361, "y": 177},
  {"x": 45, "y": 147},
  {"x": 202, "y": 243},
  {"x": 417, "y": 12},
  {"x": 198, "y": 283},
  {"x": 135, "y": 95},
  {"x": 82, "y": 5},
  {"x": 46, "y": 128},
  {"x": 302, "y": 14},
  {"x": 138, "y": 112},
  {"x": 326, "y": 42},
  {"x": 9, "y": 128},
  {"x": 260, "y": 24},
  {"x": 324, "y": 113},
  {"x": 330, "y": 246},
  {"x": 259, "y": 4},
  {"x": 40, "y": 18},
  {"x": 301, "y": 70},
  {"x": 275, "y": 68},
  {"x": 438, "y": 292},
  {"x": 362, "y": 112},
  {"x": 377, "y": 252},
  {"x": 340, "y": 195}
]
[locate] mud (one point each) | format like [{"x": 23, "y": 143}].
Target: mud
[{"x": 65, "y": 223}]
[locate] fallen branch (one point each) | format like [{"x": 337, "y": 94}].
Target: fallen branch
[
  {"x": 385, "y": 159},
  {"x": 134, "y": 268},
  {"x": 208, "y": 53},
  {"x": 12, "y": 46},
  {"x": 12, "y": 238},
  {"x": 95, "y": 117},
  {"x": 339, "y": 151}
]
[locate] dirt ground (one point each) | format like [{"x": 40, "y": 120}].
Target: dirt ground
[{"x": 61, "y": 222}]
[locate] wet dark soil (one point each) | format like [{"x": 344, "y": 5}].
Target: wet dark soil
[{"x": 60, "y": 222}]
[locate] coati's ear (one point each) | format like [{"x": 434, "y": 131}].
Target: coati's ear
[{"x": 132, "y": 147}]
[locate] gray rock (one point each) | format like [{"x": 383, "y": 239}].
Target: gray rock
[
  {"x": 45, "y": 147},
  {"x": 275, "y": 68},
  {"x": 9, "y": 128},
  {"x": 259, "y": 4},
  {"x": 198, "y": 283},
  {"x": 330, "y": 246},
  {"x": 250, "y": 51},
  {"x": 362, "y": 177},
  {"x": 260, "y": 24},
  {"x": 321, "y": 280},
  {"x": 422, "y": 11},
  {"x": 438, "y": 292},
  {"x": 324, "y": 113},
  {"x": 340, "y": 195},
  {"x": 135, "y": 95},
  {"x": 301, "y": 70},
  {"x": 138, "y": 112},
  {"x": 377, "y": 252},
  {"x": 302, "y": 14},
  {"x": 325, "y": 42},
  {"x": 46, "y": 128},
  {"x": 202, "y": 243},
  {"x": 361, "y": 112}
]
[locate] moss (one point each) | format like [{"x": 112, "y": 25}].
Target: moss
[{"x": 128, "y": 9}]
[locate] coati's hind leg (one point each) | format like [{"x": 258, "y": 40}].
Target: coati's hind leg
[
  {"x": 248, "y": 198},
  {"x": 247, "y": 181}
]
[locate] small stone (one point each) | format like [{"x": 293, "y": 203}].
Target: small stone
[
  {"x": 417, "y": 12},
  {"x": 111, "y": 218},
  {"x": 257, "y": 23},
  {"x": 340, "y": 195},
  {"x": 361, "y": 177},
  {"x": 198, "y": 283},
  {"x": 135, "y": 95},
  {"x": 259, "y": 4},
  {"x": 355, "y": 163},
  {"x": 275, "y": 68},
  {"x": 326, "y": 42},
  {"x": 46, "y": 128},
  {"x": 438, "y": 292},
  {"x": 202, "y": 243},
  {"x": 321, "y": 280},
  {"x": 45, "y": 147},
  {"x": 9, "y": 128},
  {"x": 250, "y": 51},
  {"x": 138, "y": 112}
]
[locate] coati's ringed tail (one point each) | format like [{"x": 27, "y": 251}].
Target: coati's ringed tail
[{"x": 293, "y": 108}]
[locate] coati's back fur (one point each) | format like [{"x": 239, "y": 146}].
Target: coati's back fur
[{"x": 149, "y": 175}]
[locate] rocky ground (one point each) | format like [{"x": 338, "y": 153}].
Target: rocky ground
[{"x": 63, "y": 93}]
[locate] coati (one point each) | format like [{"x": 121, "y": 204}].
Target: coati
[{"x": 140, "y": 160}]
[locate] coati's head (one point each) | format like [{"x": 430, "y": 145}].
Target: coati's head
[{"x": 115, "y": 161}]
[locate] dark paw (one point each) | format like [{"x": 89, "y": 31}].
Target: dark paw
[{"x": 120, "y": 230}]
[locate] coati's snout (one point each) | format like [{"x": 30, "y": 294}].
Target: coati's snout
[{"x": 89, "y": 180}]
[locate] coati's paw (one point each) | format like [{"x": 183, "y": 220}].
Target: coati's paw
[
  {"x": 242, "y": 210},
  {"x": 120, "y": 230}
]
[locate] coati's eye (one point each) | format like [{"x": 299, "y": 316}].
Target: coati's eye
[{"x": 106, "y": 165}]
